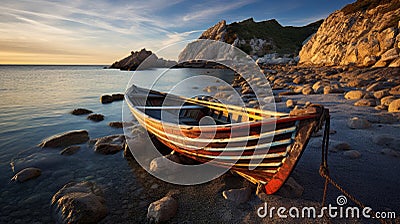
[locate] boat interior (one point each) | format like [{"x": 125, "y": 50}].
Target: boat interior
[{"x": 199, "y": 111}]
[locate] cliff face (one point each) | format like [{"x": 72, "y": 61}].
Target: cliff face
[
  {"x": 146, "y": 59},
  {"x": 260, "y": 38},
  {"x": 365, "y": 33}
]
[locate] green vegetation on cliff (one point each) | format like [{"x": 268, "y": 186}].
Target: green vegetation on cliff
[{"x": 283, "y": 39}]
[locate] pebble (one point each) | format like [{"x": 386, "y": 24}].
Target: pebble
[
  {"x": 80, "y": 202},
  {"x": 381, "y": 93},
  {"x": 390, "y": 152},
  {"x": 340, "y": 146},
  {"x": 238, "y": 196},
  {"x": 354, "y": 95},
  {"x": 387, "y": 100},
  {"x": 381, "y": 107},
  {"x": 290, "y": 103},
  {"x": 162, "y": 210},
  {"x": 291, "y": 189},
  {"x": 382, "y": 118},
  {"x": 299, "y": 80},
  {"x": 358, "y": 123},
  {"x": 394, "y": 106},
  {"x": 154, "y": 186},
  {"x": 307, "y": 90},
  {"x": 352, "y": 154},
  {"x": 387, "y": 140},
  {"x": 365, "y": 103}
]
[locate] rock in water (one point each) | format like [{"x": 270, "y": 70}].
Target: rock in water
[
  {"x": 109, "y": 144},
  {"x": 107, "y": 149},
  {"x": 390, "y": 152},
  {"x": 358, "y": 123},
  {"x": 81, "y": 111},
  {"x": 70, "y": 150},
  {"x": 116, "y": 124},
  {"x": 162, "y": 210},
  {"x": 96, "y": 117},
  {"x": 383, "y": 118},
  {"x": 27, "y": 174},
  {"x": 117, "y": 96},
  {"x": 387, "y": 140},
  {"x": 352, "y": 154},
  {"x": 106, "y": 99},
  {"x": 142, "y": 59},
  {"x": 237, "y": 196},
  {"x": 66, "y": 139},
  {"x": 340, "y": 146},
  {"x": 81, "y": 202}
]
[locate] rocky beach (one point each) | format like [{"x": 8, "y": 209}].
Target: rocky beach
[{"x": 349, "y": 63}]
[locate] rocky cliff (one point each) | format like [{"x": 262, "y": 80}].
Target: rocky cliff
[
  {"x": 146, "y": 59},
  {"x": 365, "y": 33},
  {"x": 261, "y": 38}
]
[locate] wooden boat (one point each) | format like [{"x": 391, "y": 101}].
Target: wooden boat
[{"x": 262, "y": 146}]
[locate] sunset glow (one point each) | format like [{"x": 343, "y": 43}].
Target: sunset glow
[{"x": 77, "y": 32}]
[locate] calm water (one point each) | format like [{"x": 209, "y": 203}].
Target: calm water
[
  {"x": 35, "y": 104},
  {"x": 36, "y": 100}
]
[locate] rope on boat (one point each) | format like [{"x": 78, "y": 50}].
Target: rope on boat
[{"x": 324, "y": 171}]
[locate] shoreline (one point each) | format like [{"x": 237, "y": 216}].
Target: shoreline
[{"x": 128, "y": 189}]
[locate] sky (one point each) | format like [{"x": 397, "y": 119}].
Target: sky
[{"x": 103, "y": 31}]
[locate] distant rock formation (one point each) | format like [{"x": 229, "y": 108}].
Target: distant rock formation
[
  {"x": 261, "y": 38},
  {"x": 142, "y": 59},
  {"x": 364, "y": 33}
]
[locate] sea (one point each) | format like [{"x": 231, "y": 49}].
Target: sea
[{"x": 36, "y": 102}]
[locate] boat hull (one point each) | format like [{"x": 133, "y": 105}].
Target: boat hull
[{"x": 264, "y": 152}]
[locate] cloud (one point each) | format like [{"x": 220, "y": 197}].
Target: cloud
[
  {"x": 177, "y": 37},
  {"x": 212, "y": 9}
]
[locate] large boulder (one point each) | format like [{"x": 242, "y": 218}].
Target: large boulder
[
  {"x": 65, "y": 139},
  {"x": 359, "y": 34},
  {"x": 81, "y": 202}
]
